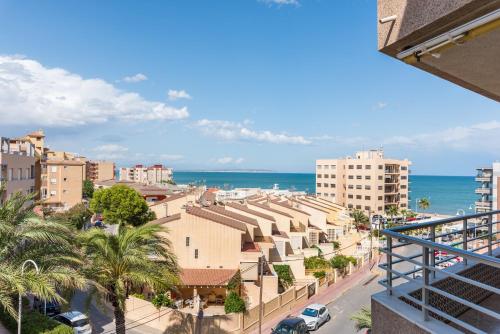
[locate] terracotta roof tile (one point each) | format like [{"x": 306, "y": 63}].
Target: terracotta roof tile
[
  {"x": 250, "y": 211},
  {"x": 264, "y": 206},
  {"x": 206, "y": 277},
  {"x": 220, "y": 210},
  {"x": 195, "y": 211}
]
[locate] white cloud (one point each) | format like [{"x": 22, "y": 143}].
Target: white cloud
[
  {"x": 110, "y": 152},
  {"x": 178, "y": 94},
  {"x": 135, "y": 78},
  {"x": 55, "y": 97},
  {"x": 476, "y": 137},
  {"x": 239, "y": 131},
  {"x": 381, "y": 105},
  {"x": 229, "y": 160},
  {"x": 281, "y": 2},
  {"x": 171, "y": 157}
]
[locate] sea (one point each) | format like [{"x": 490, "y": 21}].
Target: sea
[{"x": 447, "y": 194}]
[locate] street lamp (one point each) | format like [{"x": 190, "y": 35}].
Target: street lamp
[
  {"x": 19, "y": 311},
  {"x": 460, "y": 212}
]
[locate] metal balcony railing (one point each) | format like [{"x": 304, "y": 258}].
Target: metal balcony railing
[{"x": 419, "y": 254}]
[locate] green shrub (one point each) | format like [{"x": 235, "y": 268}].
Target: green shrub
[
  {"x": 34, "y": 323},
  {"x": 161, "y": 300},
  {"x": 353, "y": 260},
  {"x": 234, "y": 303},
  {"x": 138, "y": 295},
  {"x": 320, "y": 274},
  {"x": 284, "y": 274},
  {"x": 339, "y": 262},
  {"x": 235, "y": 282},
  {"x": 316, "y": 262}
]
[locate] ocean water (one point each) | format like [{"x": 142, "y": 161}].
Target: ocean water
[{"x": 447, "y": 193}]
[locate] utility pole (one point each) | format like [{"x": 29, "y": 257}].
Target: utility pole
[
  {"x": 261, "y": 278},
  {"x": 371, "y": 233}
]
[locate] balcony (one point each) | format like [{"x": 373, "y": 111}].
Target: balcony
[
  {"x": 483, "y": 178},
  {"x": 483, "y": 191},
  {"x": 483, "y": 204},
  {"x": 441, "y": 276}
]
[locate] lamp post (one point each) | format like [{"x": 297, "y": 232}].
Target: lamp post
[{"x": 20, "y": 300}]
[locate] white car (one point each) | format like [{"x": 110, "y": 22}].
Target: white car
[
  {"x": 315, "y": 315},
  {"x": 76, "y": 320}
]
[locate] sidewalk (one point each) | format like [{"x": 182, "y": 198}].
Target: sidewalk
[{"x": 329, "y": 295}]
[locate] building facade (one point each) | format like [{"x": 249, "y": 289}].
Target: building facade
[
  {"x": 487, "y": 190},
  {"x": 100, "y": 170},
  {"x": 17, "y": 166},
  {"x": 368, "y": 181},
  {"x": 155, "y": 174}
]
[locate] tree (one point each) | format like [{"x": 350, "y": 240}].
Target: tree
[
  {"x": 49, "y": 243},
  {"x": 363, "y": 319},
  {"x": 424, "y": 203},
  {"x": 79, "y": 215},
  {"x": 135, "y": 257},
  {"x": 360, "y": 219},
  {"x": 88, "y": 189},
  {"x": 121, "y": 204},
  {"x": 392, "y": 211}
]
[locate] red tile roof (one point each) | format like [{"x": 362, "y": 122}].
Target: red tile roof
[
  {"x": 265, "y": 206},
  {"x": 195, "y": 211},
  {"x": 206, "y": 277},
  {"x": 250, "y": 211},
  {"x": 220, "y": 210}
]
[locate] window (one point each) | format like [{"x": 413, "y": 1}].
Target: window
[
  {"x": 379, "y": 208},
  {"x": 351, "y": 166},
  {"x": 350, "y": 186},
  {"x": 187, "y": 241},
  {"x": 380, "y": 187},
  {"x": 319, "y": 194},
  {"x": 349, "y": 196},
  {"x": 358, "y": 177},
  {"x": 332, "y": 185},
  {"x": 319, "y": 176},
  {"x": 326, "y": 176},
  {"x": 368, "y": 166},
  {"x": 359, "y": 166},
  {"x": 319, "y": 166},
  {"x": 358, "y": 207},
  {"x": 333, "y": 176},
  {"x": 53, "y": 169},
  {"x": 326, "y": 167},
  {"x": 380, "y": 166},
  {"x": 53, "y": 181},
  {"x": 325, "y": 185},
  {"x": 318, "y": 185},
  {"x": 27, "y": 174},
  {"x": 359, "y": 186},
  {"x": 403, "y": 177},
  {"x": 11, "y": 174},
  {"x": 313, "y": 238},
  {"x": 403, "y": 195},
  {"x": 403, "y": 186},
  {"x": 349, "y": 206},
  {"x": 404, "y": 168},
  {"x": 195, "y": 253},
  {"x": 367, "y": 208},
  {"x": 368, "y": 177},
  {"x": 358, "y": 196},
  {"x": 368, "y": 187},
  {"x": 20, "y": 174},
  {"x": 368, "y": 198},
  {"x": 380, "y": 198},
  {"x": 380, "y": 177},
  {"x": 403, "y": 205},
  {"x": 350, "y": 177},
  {"x": 65, "y": 179},
  {"x": 333, "y": 167},
  {"x": 53, "y": 193}
]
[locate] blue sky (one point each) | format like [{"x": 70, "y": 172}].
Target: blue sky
[{"x": 243, "y": 84}]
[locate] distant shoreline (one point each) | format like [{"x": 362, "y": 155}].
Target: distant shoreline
[{"x": 275, "y": 172}]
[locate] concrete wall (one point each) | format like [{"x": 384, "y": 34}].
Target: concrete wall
[
  {"x": 12, "y": 164},
  {"x": 63, "y": 183}
]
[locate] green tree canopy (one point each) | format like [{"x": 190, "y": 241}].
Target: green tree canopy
[
  {"x": 88, "y": 189},
  {"x": 121, "y": 204},
  {"x": 424, "y": 203},
  {"x": 134, "y": 257},
  {"x": 77, "y": 216},
  {"x": 363, "y": 319}
]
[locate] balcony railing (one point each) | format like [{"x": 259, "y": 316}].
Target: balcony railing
[
  {"x": 419, "y": 256},
  {"x": 483, "y": 191},
  {"x": 483, "y": 204},
  {"x": 483, "y": 178}
]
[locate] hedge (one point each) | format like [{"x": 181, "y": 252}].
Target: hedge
[
  {"x": 234, "y": 303},
  {"x": 34, "y": 323},
  {"x": 284, "y": 274}
]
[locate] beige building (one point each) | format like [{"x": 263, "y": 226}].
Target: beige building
[
  {"x": 62, "y": 180},
  {"x": 37, "y": 138},
  {"x": 155, "y": 174},
  {"x": 17, "y": 166},
  {"x": 368, "y": 181},
  {"x": 99, "y": 170}
]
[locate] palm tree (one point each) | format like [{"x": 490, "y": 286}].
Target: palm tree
[
  {"x": 50, "y": 244},
  {"x": 392, "y": 211},
  {"x": 424, "y": 203},
  {"x": 363, "y": 319},
  {"x": 134, "y": 257},
  {"x": 360, "y": 219}
]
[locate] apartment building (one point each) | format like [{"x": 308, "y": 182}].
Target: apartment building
[
  {"x": 487, "y": 190},
  {"x": 61, "y": 180},
  {"x": 155, "y": 174},
  {"x": 37, "y": 138},
  {"x": 99, "y": 170},
  {"x": 17, "y": 166},
  {"x": 368, "y": 181}
]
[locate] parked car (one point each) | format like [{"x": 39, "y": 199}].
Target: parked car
[
  {"x": 76, "y": 320},
  {"x": 315, "y": 315},
  {"x": 291, "y": 325},
  {"x": 49, "y": 308}
]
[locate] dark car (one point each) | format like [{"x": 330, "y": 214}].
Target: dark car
[
  {"x": 291, "y": 325},
  {"x": 50, "y": 308}
]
